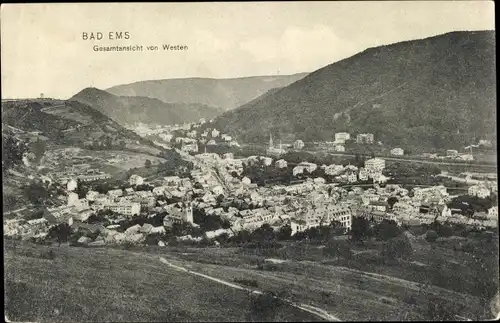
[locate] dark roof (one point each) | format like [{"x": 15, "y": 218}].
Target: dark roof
[
  {"x": 50, "y": 218},
  {"x": 86, "y": 226}
]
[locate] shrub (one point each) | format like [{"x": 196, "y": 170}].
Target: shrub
[
  {"x": 48, "y": 255},
  {"x": 264, "y": 306},
  {"x": 431, "y": 236},
  {"x": 128, "y": 245},
  {"x": 468, "y": 247},
  {"x": 399, "y": 247},
  {"x": 247, "y": 282}
]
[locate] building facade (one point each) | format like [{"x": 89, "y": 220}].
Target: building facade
[{"x": 365, "y": 138}]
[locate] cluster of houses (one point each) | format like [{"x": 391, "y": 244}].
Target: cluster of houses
[
  {"x": 424, "y": 207},
  {"x": 450, "y": 154},
  {"x": 215, "y": 187},
  {"x": 74, "y": 167}
]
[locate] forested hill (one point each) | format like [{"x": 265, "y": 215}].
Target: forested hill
[
  {"x": 436, "y": 92},
  {"x": 128, "y": 110}
]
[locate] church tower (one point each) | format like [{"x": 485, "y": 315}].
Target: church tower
[
  {"x": 189, "y": 212},
  {"x": 271, "y": 145}
]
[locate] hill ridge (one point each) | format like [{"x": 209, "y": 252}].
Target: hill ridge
[
  {"x": 132, "y": 109},
  {"x": 408, "y": 94},
  {"x": 223, "y": 93}
]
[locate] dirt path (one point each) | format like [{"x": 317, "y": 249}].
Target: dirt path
[{"x": 308, "y": 308}]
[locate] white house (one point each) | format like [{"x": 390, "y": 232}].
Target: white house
[
  {"x": 479, "y": 191},
  {"x": 298, "y": 170},
  {"x": 228, "y": 156},
  {"x": 136, "y": 180},
  {"x": 115, "y": 193},
  {"x": 218, "y": 190},
  {"x": 245, "y": 180},
  {"x": 71, "y": 185},
  {"x": 267, "y": 161},
  {"x": 281, "y": 163},
  {"x": 72, "y": 199},
  {"x": 126, "y": 208},
  {"x": 339, "y": 148},
  {"x": 363, "y": 174},
  {"x": 298, "y": 144},
  {"x": 91, "y": 195},
  {"x": 310, "y": 167},
  {"x": 493, "y": 212},
  {"x": 375, "y": 165},
  {"x": 352, "y": 177},
  {"x": 397, "y": 152},
  {"x": 342, "y": 136},
  {"x": 215, "y": 133}
]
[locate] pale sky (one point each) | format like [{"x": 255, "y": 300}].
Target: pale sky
[{"x": 43, "y": 51}]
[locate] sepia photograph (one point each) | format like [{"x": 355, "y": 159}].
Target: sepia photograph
[{"x": 249, "y": 161}]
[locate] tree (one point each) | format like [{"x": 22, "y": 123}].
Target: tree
[
  {"x": 81, "y": 189},
  {"x": 38, "y": 148},
  {"x": 264, "y": 306},
  {"x": 386, "y": 230},
  {"x": 147, "y": 164},
  {"x": 12, "y": 152},
  {"x": 285, "y": 232},
  {"x": 61, "y": 232},
  {"x": 431, "y": 236},
  {"x": 360, "y": 228},
  {"x": 391, "y": 201},
  {"x": 36, "y": 193},
  {"x": 399, "y": 247},
  {"x": 337, "y": 249}
]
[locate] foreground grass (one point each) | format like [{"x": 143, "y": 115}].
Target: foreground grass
[
  {"x": 359, "y": 289},
  {"x": 64, "y": 284}
]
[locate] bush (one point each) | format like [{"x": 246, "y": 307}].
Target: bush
[
  {"x": 264, "y": 306},
  {"x": 128, "y": 245},
  {"x": 48, "y": 255},
  {"x": 399, "y": 247},
  {"x": 387, "y": 230},
  {"x": 468, "y": 247},
  {"x": 247, "y": 282},
  {"x": 431, "y": 236}
]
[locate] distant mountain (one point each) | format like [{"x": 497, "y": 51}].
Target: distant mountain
[
  {"x": 431, "y": 93},
  {"x": 127, "y": 110},
  {"x": 71, "y": 123},
  {"x": 225, "y": 94}
]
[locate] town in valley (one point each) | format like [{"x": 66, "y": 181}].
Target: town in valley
[{"x": 365, "y": 189}]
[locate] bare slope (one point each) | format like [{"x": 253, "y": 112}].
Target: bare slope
[
  {"x": 435, "y": 92},
  {"x": 225, "y": 94},
  {"x": 70, "y": 123}
]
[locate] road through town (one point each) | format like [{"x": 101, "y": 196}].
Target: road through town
[{"x": 305, "y": 307}]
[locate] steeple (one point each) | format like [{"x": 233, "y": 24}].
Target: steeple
[
  {"x": 271, "y": 145},
  {"x": 280, "y": 145}
]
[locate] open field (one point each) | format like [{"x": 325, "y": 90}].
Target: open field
[
  {"x": 350, "y": 294},
  {"x": 362, "y": 288},
  {"x": 93, "y": 285},
  {"x": 126, "y": 160},
  {"x": 123, "y": 284}
]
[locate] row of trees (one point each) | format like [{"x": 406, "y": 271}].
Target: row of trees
[{"x": 362, "y": 229}]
